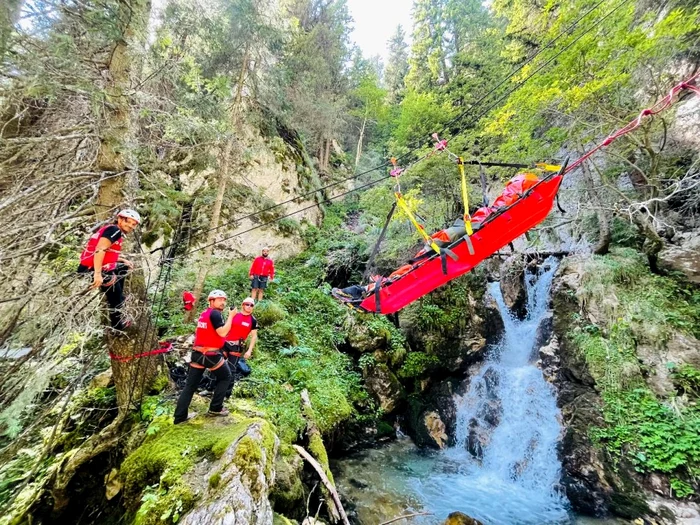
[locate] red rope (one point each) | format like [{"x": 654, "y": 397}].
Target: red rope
[
  {"x": 164, "y": 348},
  {"x": 660, "y": 106}
]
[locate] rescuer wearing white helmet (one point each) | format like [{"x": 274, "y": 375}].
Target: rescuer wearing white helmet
[
  {"x": 102, "y": 258},
  {"x": 207, "y": 354}
]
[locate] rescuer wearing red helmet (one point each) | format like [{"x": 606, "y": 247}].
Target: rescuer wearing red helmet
[
  {"x": 207, "y": 355},
  {"x": 102, "y": 257}
]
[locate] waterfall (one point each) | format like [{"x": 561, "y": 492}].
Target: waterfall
[
  {"x": 503, "y": 468},
  {"x": 508, "y": 426}
]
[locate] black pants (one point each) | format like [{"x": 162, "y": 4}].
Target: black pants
[
  {"x": 114, "y": 292},
  {"x": 194, "y": 376},
  {"x": 233, "y": 367}
]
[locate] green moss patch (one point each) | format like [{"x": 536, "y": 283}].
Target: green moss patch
[{"x": 175, "y": 450}]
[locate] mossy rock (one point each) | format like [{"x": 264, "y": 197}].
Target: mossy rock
[
  {"x": 287, "y": 495},
  {"x": 281, "y": 335},
  {"x": 170, "y": 454},
  {"x": 191, "y": 467}
]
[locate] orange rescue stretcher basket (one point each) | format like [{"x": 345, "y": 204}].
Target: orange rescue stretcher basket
[{"x": 501, "y": 227}]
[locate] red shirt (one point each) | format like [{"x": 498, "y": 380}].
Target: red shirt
[{"x": 262, "y": 266}]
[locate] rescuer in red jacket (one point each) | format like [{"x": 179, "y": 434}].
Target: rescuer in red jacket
[
  {"x": 262, "y": 269},
  {"x": 244, "y": 327},
  {"x": 207, "y": 355},
  {"x": 102, "y": 257}
]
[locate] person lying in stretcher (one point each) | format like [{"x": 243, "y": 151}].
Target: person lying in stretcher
[{"x": 515, "y": 188}]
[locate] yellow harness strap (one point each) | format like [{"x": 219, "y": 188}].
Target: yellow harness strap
[
  {"x": 407, "y": 211},
  {"x": 465, "y": 197},
  {"x": 547, "y": 167}
]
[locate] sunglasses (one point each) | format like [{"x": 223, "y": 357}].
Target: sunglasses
[{"x": 248, "y": 304}]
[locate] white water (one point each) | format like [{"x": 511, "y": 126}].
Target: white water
[
  {"x": 516, "y": 478},
  {"x": 515, "y": 482}
]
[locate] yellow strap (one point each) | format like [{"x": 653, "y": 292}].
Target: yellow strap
[
  {"x": 407, "y": 211},
  {"x": 547, "y": 167},
  {"x": 465, "y": 197}
]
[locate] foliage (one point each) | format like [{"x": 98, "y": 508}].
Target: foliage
[
  {"x": 635, "y": 307},
  {"x": 417, "y": 364}
]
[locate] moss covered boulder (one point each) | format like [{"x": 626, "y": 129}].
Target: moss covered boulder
[{"x": 204, "y": 471}]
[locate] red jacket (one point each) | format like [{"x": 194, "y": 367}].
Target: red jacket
[{"x": 262, "y": 266}]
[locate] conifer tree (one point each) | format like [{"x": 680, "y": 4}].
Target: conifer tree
[{"x": 397, "y": 66}]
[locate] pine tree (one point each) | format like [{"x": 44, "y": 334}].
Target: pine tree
[{"x": 397, "y": 67}]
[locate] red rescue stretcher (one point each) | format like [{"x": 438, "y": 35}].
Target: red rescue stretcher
[{"x": 501, "y": 227}]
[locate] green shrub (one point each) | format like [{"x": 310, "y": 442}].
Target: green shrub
[
  {"x": 417, "y": 364},
  {"x": 269, "y": 312}
]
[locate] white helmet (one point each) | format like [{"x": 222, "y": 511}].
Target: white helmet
[
  {"x": 130, "y": 214},
  {"x": 216, "y": 294}
]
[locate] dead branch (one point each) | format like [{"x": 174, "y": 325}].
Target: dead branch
[{"x": 326, "y": 482}]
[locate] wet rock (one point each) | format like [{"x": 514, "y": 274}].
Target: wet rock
[
  {"x": 490, "y": 413},
  {"x": 287, "y": 494},
  {"x": 491, "y": 381},
  {"x": 384, "y": 386},
  {"x": 549, "y": 360},
  {"x": 493, "y": 322},
  {"x": 481, "y": 428},
  {"x": 458, "y": 518},
  {"x": 432, "y": 417},
  {"x": 544, "y": 330},
  {"x": 436, "y": 428},
  {"x": 513, "y": 285},
  {"x": 589, "y": 480},
  {"x": 683, "y": 257},
  {"x": 473, "y": 443},
  {"x": 675, "y": 512}
]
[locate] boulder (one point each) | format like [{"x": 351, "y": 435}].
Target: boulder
[
  {"x": 680, "y": 349},
  {"x": 436, "y": 428},
  {"x": 207, "y": 472},
  {"x": 512, "y": 273},
  {"x": 383, "y": 385},
  {"x": 103, "y": 379},
  {"x": 432, "y": 417},
  {"x": 458, "y": 518},
  {"x": 683, "y": 257}
]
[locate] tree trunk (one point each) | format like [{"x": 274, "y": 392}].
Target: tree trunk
[
  {"x": 224, "y": 164},
  {"x": 131, "y": 375},
  {"x": 359, "y": 142},
  {"x": 327, "y": 158},
  {"x": 214, "y": 223},
  {"x": 9, "y": 13}
]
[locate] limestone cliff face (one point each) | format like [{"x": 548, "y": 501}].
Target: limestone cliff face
[{"x": 267, "y": 170}]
